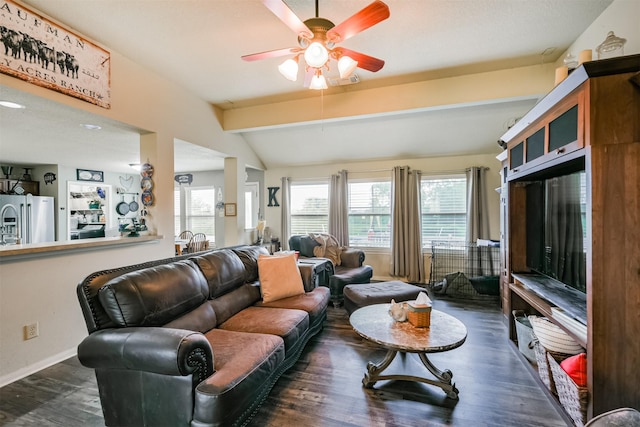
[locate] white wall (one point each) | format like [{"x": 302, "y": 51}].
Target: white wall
[
  {"x": 622, "y": 17},
  {"x": 379, "y": 259},
  {"x": 42, "y": 289}
]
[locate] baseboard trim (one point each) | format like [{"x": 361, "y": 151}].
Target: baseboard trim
[{"x": 32, "y": 369}]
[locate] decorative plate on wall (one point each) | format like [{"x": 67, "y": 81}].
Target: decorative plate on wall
[
  {"x": 146, "y": 170},
  {"x": 146, "y": 184},
  {"x": 147, "y": 198}
]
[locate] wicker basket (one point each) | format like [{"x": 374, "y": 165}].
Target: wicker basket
[
  {"x": 419, "y": 315},
  {"x": 544, "y": 370},
  {"x": 574, "y": 399}
]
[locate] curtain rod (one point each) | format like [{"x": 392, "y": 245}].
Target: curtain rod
[{"x": 430, "y": 172}]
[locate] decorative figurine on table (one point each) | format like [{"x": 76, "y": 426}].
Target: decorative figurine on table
[
  {"x": 398, "y": 311},
  {"x": 135, "y": 228}
]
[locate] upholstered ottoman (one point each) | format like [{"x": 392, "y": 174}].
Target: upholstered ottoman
[{"x": 357, "y": 296}]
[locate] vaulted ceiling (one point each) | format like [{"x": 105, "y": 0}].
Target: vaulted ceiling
[{"x": 422, "y": 103}]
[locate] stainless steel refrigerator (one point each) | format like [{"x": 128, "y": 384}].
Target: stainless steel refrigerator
[{"x": 26, "y": 219}]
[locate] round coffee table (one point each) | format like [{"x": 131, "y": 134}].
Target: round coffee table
[{"x": 376, "y": 325}]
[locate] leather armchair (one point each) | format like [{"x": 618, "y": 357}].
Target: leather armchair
[{"x": 351, "y": 269}]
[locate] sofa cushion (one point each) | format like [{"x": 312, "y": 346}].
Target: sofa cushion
[
  {"x": 200, "y": 319},
  {"x": 249, "y": 257},
  {"x": 154, "y": 296},
  {"x": 314, "y": 303},
  {"x": 279, "y": 277},
  {"x": 291, "y": 325},
  {"x": 306, "y": 246},
  {"x": 245, "y": 364},
  {"x": 233, "y": 302},
  {"x": 223, "y": 270}
]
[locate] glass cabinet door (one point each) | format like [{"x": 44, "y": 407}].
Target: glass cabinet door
[
  {"x": 564, "y": 129},
  {"x": 516, "y": 156},
  {"x": 535, "y": 145}
]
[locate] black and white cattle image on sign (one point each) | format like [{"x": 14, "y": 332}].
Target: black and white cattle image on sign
[{"x": 46, "y": 54}]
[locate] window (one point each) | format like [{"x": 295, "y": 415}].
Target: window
[
  {"x": 200, "y": 211},
  {"x": 309, "y": 208},
  {"x": 370, "y": 214},
  {"x": 444, "y": 209},
  {"x": 251, "y": 205},
  {"x": 177, "y": 228}
]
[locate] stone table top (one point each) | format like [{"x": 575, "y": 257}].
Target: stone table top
[{"x": 374, "y": 323}]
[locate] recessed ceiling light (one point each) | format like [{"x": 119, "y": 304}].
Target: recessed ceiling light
[
  {"x": 10, "y": 104},
  {"x": 90, "y": 126}
]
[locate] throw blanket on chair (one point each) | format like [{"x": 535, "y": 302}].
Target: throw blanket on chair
[{"x": 329, "y": 247}]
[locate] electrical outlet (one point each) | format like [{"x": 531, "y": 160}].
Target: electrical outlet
[{"x": 31, "y": 331}]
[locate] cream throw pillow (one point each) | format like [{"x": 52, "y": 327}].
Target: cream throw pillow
[{"x": 279, "y": 277}]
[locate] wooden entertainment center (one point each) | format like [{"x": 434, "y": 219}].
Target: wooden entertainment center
[{"x": 589, "y": 122}]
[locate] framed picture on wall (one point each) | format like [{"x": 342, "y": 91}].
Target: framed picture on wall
[
  {"x": 89, "y": 175},
  {"x": 229, "y": 209}
]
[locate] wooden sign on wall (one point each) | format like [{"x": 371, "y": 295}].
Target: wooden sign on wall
[{"x": 43, "y": 53}]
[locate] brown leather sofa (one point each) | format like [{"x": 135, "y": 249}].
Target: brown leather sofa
[
  {"x": 350, "y": 270},
  {"x": 187, "y": 341}
]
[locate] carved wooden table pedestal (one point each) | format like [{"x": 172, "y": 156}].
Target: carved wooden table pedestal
[{"x": 445, "y": 333}]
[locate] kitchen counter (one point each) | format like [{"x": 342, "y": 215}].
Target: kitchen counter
[{"x": 11, "y": 252}]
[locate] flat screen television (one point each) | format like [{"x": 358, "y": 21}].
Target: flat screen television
[{"x": 556, "y": 228}]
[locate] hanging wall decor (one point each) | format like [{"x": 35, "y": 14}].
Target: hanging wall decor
[
  {"x": 146, "y": 184},
  {"x": 184, "y": 178},
  {"x": 89, "y": 175},
  {"x": 272, "y": 196},
  {"x": 45, "y": 54},
  {"x": 49, "y": 177}
]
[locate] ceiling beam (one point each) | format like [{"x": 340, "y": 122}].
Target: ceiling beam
[{"x": 496, "y": 86}]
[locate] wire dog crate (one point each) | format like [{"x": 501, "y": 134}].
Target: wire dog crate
[{"x": 465, "y": 270}]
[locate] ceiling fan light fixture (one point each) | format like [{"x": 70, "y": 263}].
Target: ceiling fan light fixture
[
  {"x": 346, "y": 66},
  {"x": 316, "y": 55},
  {"x": 289, "y": 69},
  {"x": 318, "y": 82}
]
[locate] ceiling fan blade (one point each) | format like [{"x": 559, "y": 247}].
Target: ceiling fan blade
[
  {"x": 365, "y": 62},
  {"x": 271, "y": 54},
  {"x": 367, "y": 17},
  {"x": 286, "y": 15}
]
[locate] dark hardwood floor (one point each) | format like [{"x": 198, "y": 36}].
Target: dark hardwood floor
[{"x": 324, "y": 388}]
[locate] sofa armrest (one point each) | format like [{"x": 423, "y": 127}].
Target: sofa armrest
[
  {"x": 309, "y": 276},
  {"x": 160, "y": 350},
  {"x": 351, "y": 257}
]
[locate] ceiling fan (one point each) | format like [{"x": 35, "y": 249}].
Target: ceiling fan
[{"x": 317, "y": 40}]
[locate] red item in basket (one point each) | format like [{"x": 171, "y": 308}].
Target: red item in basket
[{"x": 576, "y": 368}]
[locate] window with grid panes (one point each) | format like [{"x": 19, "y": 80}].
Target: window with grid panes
[
  {"x": 200, "y": 211},
  {"x": 177, "y": 228},
  {"x": 443, "y": 209},
  {"x": 309, "y": 207},
  {"x": 370, "y": 213}
]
